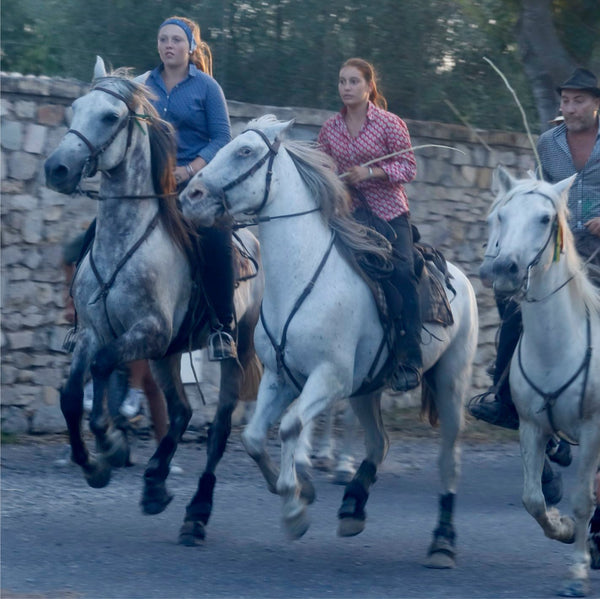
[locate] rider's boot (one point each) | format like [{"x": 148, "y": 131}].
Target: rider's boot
[{"x": 495, "y": 406}]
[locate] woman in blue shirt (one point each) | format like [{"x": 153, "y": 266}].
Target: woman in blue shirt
[{"x": 189, "y": 98}]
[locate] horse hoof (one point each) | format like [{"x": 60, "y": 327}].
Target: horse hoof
[
  {"x": 440, "y": 561},
  {"x": 342, "y": 477},
  {"x": 118, "y": 456},
  {"x": 441, "y": 554},
  {"x": 296, "y": 525},
  {"x": 192, "y": 533},
  {"x": 574, "y": 588},
  {"x": 323, "y": 463},
  {"x": 97, "y": 474},
  {"x": 350, "y": 527},
  {"x": 155, "y": 500}
]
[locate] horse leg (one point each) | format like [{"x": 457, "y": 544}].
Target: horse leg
[
  {"x": 576, "y": 583},
  {"x": 447, "y": 392},
  {"x": 273, "y": 398},
  {"x": 344, "y": 468},
  {"x": 71, "y": 404},
  {"x": 198, "y": 511},
  {"x": 117, "y": 451},
  {"x": 166, "y": 371},
  {"x": 111, "y": 443},
  {"x": 320, "y": 391},
  {"x": 533, "y": 445},
  {"x": 352, "y": 515}
]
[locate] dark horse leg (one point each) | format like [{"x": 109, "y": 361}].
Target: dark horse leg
[
  {"x": 155, "y": 497},
  {"x": 234, "y": 381},
  {"x": 352, "y": 515}
]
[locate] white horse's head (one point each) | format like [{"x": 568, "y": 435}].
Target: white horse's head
[
  {"x": 237, "y": 179},
  {"x": 527, "y": 226}
]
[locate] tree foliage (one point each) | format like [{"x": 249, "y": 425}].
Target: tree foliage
[{"x": 429, "y": 55}]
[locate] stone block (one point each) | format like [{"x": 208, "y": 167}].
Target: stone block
[
  {"x": 23, "y": 166},
  {"x": 50, "y": 114},
  {"x": 9, "y": 186},
  {"x": 11, "y": 134},
  {"x": 32, "y": 229},
  {"x": 6, "y": 107},
  {"x": 15, "y": 421},
  {"x": 9, "y": 374},
  {"x": 35, "y": 138},
  {"x": 24, "y": 109},
  {"x": 47, "y": 420},
  {"x": 23, "y": 203},
  {"x": 19, "y": 395},
  {"x": 20, "y": 340}
]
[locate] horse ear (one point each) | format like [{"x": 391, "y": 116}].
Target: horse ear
[
  {"x": 282, "y": 128},
  {"x": 563, "y": 186},
  {"x": 99, "y": 68},
  {"x": 502, "y": 181}
]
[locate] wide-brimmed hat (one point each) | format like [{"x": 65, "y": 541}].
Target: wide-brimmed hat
[{"x": 582, "y": 79}]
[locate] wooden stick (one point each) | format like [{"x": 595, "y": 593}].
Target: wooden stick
[
  {"x": 524, "y": 116},
  {"x": 400, "y": 152}
]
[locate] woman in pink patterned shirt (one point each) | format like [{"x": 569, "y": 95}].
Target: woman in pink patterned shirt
[{"x": 362, "y": 131}]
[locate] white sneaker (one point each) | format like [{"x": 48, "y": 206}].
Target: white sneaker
[
  {"x": 88, "y": 396},
  {"x": 175, "y": 469},
  {"x": 132, "y": 403}
]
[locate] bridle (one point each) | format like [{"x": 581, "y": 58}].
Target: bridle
[
  {"x": 272, "y": 151},
  {"x": 91, "y": 165}
]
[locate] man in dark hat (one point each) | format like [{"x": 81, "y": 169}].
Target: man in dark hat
[{"x": 572, "y": 147}]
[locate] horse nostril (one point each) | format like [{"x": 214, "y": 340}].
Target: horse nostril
[{"x": 195, "y": 194}]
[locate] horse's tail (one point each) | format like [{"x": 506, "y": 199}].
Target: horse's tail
[
  {"x": 252, "y": 374},
  {"x": 428, "y": 398}
]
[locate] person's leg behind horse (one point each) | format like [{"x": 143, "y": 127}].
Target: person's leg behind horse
[
  {"x": 405, "y": 309},
  {"x": 500, "y": 410},
  {"x": 219, "y": 281}
]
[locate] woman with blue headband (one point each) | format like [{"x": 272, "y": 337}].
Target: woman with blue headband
[{"x": 187, "y": 96}]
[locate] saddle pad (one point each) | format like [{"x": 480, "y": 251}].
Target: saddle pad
[{"x": 435, "y": 306}]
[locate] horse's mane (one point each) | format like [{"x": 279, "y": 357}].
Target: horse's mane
[
  {"x": 163, "y": 149},
  {"x": 575, "y": 266},
  {"x": 318, "y": 172}
]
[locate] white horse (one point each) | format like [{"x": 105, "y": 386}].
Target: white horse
[
  {"x": 555, "y": 372},
  {"x": 320, "y": 337}
]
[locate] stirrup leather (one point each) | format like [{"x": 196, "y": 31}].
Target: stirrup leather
[{"x": 221, "y": 346}]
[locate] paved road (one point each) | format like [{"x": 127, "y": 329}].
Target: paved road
[{"x": 61, "y": 539}]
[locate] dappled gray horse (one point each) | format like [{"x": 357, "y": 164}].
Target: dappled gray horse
[{"x": 135, "y": 292}]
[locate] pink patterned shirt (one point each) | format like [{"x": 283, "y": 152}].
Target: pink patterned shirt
[{"x": 383, "y": 133}]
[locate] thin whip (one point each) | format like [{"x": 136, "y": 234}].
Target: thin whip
[
  {"x": 400, "y": 152},
  {"x": 512, "y": 91}
]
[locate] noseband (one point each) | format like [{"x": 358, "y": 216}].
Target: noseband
[{"x": 91, "y": 165}]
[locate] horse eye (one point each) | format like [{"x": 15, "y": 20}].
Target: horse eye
[
  {"x": 545, "y": 219},
  {"x": 245, "y": 151},
  {"x": 110, "y": 118}
]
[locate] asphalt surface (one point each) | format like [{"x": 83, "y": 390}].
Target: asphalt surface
[{"x": 62, "y": 539}]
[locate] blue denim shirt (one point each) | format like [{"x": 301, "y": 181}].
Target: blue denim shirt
[
  {"x": 196, "y": 108},
  {"x": 557, "y": 164}
]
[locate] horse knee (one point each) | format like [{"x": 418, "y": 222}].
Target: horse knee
[
  {"x": 71, "y": 404},
  {"x": 290, "y": 428},
  {"x": 103, "y": 364},
  {"x": 253, "y": 445}
]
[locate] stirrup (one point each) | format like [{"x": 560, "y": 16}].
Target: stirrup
[
  {"x": 406, "y": 377},
  {"x": 221, "y": 346}
]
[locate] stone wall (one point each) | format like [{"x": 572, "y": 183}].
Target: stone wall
[{"x": 449, "y": 201}]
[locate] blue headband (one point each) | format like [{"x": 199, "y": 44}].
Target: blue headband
[{"x": 186, "y": 29}]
